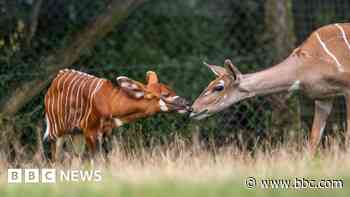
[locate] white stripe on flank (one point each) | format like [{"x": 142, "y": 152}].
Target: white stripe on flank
[
  {"x": 59, "y": 110},
  {"x": 339, "y": 66},
  {"x": 59, "y": 78},
  {"x": 79, "y": 102},
  {"x": 82, "y": 101},
  {"x": 54, "y": 127},
  {"x": 81, "y": 109},
  {"x": 61, "y": 102},
  {"x": 68, "y": 106},
  {"x": 344, "y": 35},
  {"x": 71, "y": 102},
  {"x": 88, "y": 105},
  {"x": 99, "y": 84}
]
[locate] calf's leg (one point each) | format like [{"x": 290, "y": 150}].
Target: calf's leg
[
  {"x": 59, "y": 149},
  {"x": 91, "y": 138}
]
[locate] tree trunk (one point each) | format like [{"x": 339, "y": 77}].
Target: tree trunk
[
  {"x": 279, "y": 22},
  {"x": 280, "y": 28},
  {"x": 64, "y": 57},
  {"x": 32, "y": 24}
]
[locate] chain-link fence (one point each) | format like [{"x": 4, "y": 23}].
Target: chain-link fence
[{"x": 169, "y": 37}]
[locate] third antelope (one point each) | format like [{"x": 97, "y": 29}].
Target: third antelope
[{"x": 320, "y": 67}]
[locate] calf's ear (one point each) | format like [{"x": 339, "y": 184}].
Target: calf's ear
[
  {"x": 130, "y": 87},
  {"x": 151, "y": 77}
]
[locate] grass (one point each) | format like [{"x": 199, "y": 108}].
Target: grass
[
  {"x": 185, "y": 169},
  {"x": 228, "y": 188}
]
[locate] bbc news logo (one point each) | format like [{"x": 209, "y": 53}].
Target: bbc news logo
[{"x": 52, "y": 175}]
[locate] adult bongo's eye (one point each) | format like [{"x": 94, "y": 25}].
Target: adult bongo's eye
[{"x": 219, "y": 88}]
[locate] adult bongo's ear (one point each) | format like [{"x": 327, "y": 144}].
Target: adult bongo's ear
[
  {"x": 130, "y": 87},
  {"x": 233, "y": 70},
  {"x": 217, "y": 70}
]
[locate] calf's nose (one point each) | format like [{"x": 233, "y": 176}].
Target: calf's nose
[{"x": 183, "y": 102}]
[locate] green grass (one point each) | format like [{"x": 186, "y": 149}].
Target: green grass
[{"x": 161, "y": 189}]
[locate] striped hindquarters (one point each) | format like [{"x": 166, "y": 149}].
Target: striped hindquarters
[
  {"x": 69, "y": 102},
  {"x": 334, "y": 44}
]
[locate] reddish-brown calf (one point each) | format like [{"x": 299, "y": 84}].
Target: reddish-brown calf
[{"x": 76, "y": 100}]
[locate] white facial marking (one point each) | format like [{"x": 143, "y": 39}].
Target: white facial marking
[
  {"x": 221, "y": 82},
  {"x": 225, "y": 96},
  {"x": 139, "y": 94},
  {"x": 295, "y": 86},
  {"x": 124, "y": 85},
  {"x": 339, "y": 66},
  {"x": 134, "y": 86},
  {"x": 122, "y": 77},
  {"x": 118, "y": 122},
  {"x": 162, "y": 105}
]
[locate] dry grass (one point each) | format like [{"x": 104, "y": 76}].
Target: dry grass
[
  {"x": 196, "y": 164},
  {"x": 193, "y": 162}
]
